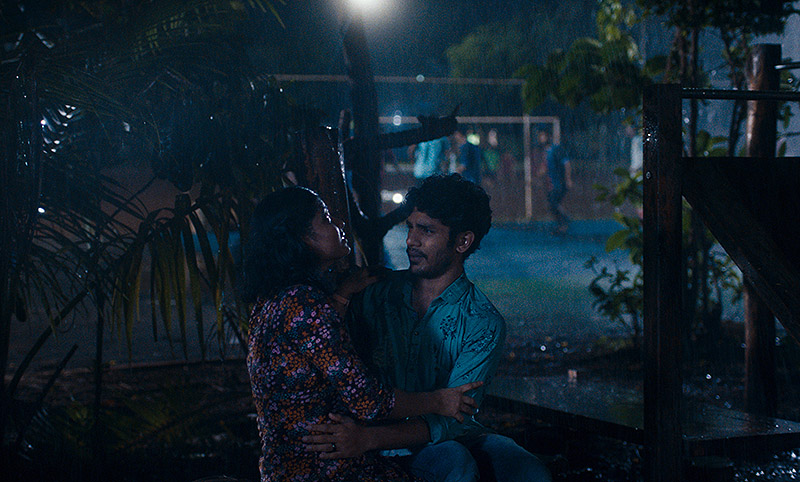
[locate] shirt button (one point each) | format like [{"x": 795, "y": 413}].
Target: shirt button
[{"x": 416, "y": 333}]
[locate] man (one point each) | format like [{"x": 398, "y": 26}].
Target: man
[
  {"x": 429, "y": 157},
  {"x": 559, "y": 170},
  {"x": 429, "y": 327},
  {"x": 470, "y": 158}
]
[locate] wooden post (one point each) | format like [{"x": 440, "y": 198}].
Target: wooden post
[
  {"x": 761, "y": 136},
  {"x": 366, "y": 162},
  {"x": 662, "y": 283},
  {"x": 322, "y": 170}
]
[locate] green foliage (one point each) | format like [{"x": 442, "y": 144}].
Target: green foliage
[
  {"x": 87, "y": 87},
  {"x": 504, "y": 43},
  {"x": 618, "y": 296},
  {"x": 609, "y": 72},
  {"x": 618, "y": 293},
  {"x": 504, "y": 49},
  {"x": 606, "y": 71},
  {"x": 751, "y": 17},
  {"x": 500, "y": 48}
]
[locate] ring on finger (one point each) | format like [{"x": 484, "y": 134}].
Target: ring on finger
[{"x": 333, "y": 446}]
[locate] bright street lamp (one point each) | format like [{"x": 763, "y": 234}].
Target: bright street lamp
[{"x": 369, "y": 8}]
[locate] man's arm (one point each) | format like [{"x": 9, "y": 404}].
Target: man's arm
[
  {"x": 479, "y": 362},
  {"x": 482, "y": 351}
]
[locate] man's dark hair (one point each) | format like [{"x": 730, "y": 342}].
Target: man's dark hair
[
  {"x": 458, "y": 203},
  {"x": 276, "y": 256}
]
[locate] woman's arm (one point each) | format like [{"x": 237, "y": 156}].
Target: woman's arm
[{"x": 352, "y": 284}]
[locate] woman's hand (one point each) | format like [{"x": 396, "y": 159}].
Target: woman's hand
[
  {"x": 356, "y": 281},
  {"x": 341, "y": 439},
  {"x": 454, "y": 403}
]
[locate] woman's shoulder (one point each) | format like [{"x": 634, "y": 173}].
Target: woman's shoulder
[{"x": 302, "y": 291}]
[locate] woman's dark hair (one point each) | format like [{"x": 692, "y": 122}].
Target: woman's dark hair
[
  {"x": 275, "y": 254},
  {"x": 458, "y": 203}
]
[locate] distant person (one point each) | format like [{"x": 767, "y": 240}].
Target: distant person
[
  {"x": 559, "y": 171},
  {"x": 637, "y": 154},
  {"x": 470, "y": 158},
  {"x": 429, "y": 157},
  {"x": 429, "y": 327},
  {"x": 301, "y": 361},
  {"x": 492, "y": 156}
]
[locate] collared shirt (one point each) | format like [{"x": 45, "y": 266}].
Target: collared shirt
[
  {"x": 458, "y": 340},
  {"x": 429, "y": 156}
]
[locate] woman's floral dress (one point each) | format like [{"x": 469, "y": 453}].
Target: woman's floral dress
[{"x": 303, "y": 367}]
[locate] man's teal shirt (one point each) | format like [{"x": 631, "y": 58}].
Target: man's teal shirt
[{"x": 458, "y": 340}]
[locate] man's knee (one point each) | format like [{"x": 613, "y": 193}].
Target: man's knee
[
  {"x": 509, "y": 462},
  {"x": 447, "y": 461}
]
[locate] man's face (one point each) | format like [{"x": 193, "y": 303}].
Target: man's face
[
  {"x": 544, "y": 138},
  {"x": 430, "y": 253}
]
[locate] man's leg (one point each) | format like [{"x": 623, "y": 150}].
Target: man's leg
[
  {"x": 442, "y": 462},
  {"x": 507, "y": 461},
  {"x": 554, "y": 199}
]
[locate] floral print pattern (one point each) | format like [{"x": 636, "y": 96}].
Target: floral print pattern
[{"x": 302, "y": 367}]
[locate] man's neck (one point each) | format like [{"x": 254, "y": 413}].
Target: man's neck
[{"x": 427, "y": 289}]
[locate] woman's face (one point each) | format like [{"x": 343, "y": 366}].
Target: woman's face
[{"x": 327, "y": 238}]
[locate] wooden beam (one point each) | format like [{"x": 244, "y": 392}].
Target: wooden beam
[
  {"x": 321, "y": 168},
  {"x": 761, "y": 392},
  {"x": 366, "y": 163},
  {"x": 747, "y": 241},
  {"x": 662, "y": 283}
]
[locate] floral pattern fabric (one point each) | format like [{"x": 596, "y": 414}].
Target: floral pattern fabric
[{"x": 302, "y": 367}]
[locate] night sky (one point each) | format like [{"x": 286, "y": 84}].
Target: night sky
[{"x": 407, "y": 38}]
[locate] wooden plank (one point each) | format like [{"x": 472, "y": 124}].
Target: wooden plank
[
  {"x": 601, "y": 408},
  {"x": 743, "y": 235},
  {"x": 585, "y": 406},
  {"x": 662, "y": 272},
  {"x": 769, "y": 188}
]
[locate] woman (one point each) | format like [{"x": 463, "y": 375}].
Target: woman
[{"x": 301, "y": 361}]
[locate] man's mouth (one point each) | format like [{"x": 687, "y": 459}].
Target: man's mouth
[{"x": 414, "y": 255}]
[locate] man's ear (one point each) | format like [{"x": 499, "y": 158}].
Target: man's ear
[{"x": 464, "y": 241}]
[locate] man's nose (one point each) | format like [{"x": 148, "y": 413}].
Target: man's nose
[{"x": 411, "y": 239}]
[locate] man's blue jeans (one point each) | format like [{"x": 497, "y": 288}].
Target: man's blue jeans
[{"x": 489, "y": 457}]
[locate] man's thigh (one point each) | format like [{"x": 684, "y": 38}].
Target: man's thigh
[
  {"x": 443, "y": 462},
  {"x": 500, "y": 458}
]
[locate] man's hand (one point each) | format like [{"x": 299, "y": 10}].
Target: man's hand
[
  {"x": 340, "y": 439},
  {"x": 454, "y": 403}
]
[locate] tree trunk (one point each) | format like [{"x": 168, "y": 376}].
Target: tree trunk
[{"x": 366, "y": 163}]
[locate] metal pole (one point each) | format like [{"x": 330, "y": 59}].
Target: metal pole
[{"x": 528, "y": 168}]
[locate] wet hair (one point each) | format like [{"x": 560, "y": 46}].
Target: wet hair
[
  {"x": 275, "y": 255},
  {"x": 459, "y": 204}
]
